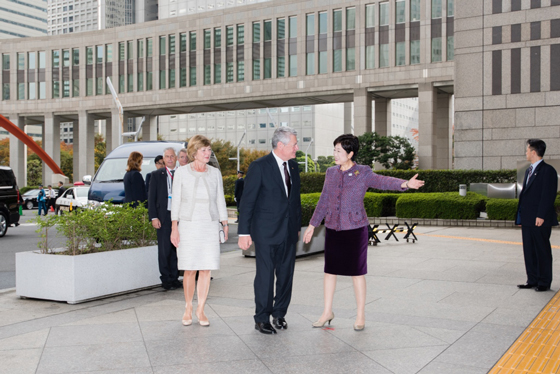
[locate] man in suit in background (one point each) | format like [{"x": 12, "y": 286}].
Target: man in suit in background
[
  {"x": 61, "y": 189},
  {"x": 271, "y": 217},
  {"x": 238, "y": 192},
  {"x": 158, "y": 161},
  {"x": 159, "y": 211},
  {"x": 536, "y": 216}
]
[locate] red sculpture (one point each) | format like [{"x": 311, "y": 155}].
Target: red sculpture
[{"x": 27, "y": 140}]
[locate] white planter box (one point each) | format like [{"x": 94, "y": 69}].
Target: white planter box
[
  {"x": 316, "y": 245},
  {"x": 76, "y": 279}
]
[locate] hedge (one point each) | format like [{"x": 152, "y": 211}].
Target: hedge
[
  {"x": 308, "y": 204},
  {"x": 436, "y": 180},
  {"x": 380, "y": 204},
  {"x": 505, "y": 209},
  {"x": 448, "y": 205},
  {"x": 501, "y": 209}
]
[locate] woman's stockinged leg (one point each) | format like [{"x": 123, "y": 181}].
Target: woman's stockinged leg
[
  {"x": 188, "y": 289},
  {"x": 202, "y": 294},
  {"x": 329, "y": 285},
  {"x": 360, "y": 292}
]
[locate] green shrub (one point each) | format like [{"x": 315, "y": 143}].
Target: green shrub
[
  {"x": 501, "y": 209},
  {"x": 229, "y": 184},
  {"x": 308, "y": 204},
  {"x": 312, "y": 182},
  {"x": 229, "y": 200},
  {"x": 380, "y": 204},
  {"x": 107, "y": 227},
  {"x": 448, "y": 205}
]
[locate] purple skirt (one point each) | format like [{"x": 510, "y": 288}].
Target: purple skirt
[{"x": 346, "y": 251}]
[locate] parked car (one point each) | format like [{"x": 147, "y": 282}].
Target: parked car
[
  {"x": 107, "y": 184},
  {"x": 30, "y": 199},
  {"x": 72, "y": 198},
  {"x": 9, "y": 200}
]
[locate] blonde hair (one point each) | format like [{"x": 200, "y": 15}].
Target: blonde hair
[
  {"x": 195, "y": 143},
  {"x": 134, "y": 161}
]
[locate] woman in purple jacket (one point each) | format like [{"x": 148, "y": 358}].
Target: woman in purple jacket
[{"x": 342, "y": 206}]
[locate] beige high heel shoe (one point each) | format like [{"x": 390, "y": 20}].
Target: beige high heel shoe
[
  {"x": 188, "y": 320},
  {"x": 202, "y": 323},
  {"x": 321, "y": 324},
  {"x": 359, "y": 327}
]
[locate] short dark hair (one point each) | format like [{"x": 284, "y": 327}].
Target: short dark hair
[
  {"x": 349, "y": 143},
  {"x": 538, "y": 146},
  {"x": 158, "y": 159}
]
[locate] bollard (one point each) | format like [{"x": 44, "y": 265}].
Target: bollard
[{"x": 463, "y": 189}]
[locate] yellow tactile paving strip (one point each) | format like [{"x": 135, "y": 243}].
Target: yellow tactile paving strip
[
  {"x": 537, "y": 348},
  {"x": 477, "y": 239}
]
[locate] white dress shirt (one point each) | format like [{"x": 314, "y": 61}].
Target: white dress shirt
[{"x": 280, "y": 163}]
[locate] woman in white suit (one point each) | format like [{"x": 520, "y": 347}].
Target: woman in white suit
[{"x": 199, "y": 205}]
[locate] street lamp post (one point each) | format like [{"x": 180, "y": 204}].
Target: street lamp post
[
  {"x": 306, "y": 153},
  {"x": 238, "y": 144}
]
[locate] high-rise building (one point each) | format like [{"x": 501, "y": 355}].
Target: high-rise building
[
  {"x": 175, "y": 8},
  {"x": 19, "y": 19},
  {"x": 68, "y": 16}
]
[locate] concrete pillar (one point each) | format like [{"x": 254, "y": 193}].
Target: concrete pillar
[
  {"x": 18, "y": 154},
  {"x": 382, "y": 116},
  {"x": 84, "y": 142},
  {"x": 51, "y": 144},
  {"x": 149, "y": 128},
  {"x": 362, "y": 111},
  {"x": 348, "y": 111},
  {"x": 427, "y": 117},
  {"x": 113, "y": 131},
  {"x": 443, "y": 132}
]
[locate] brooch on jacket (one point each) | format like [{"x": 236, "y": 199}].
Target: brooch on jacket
[{"x": 356, "y": 172}]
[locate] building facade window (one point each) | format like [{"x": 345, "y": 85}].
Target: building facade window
[
  {"x": 5, "y": 69},
  {"x": 281, "y": 41},
  {"x": 310, "y": 53},
  {"x": 267, "y": 36},
  {"x": 350, "y": 39},
  {"x": 162, "y": 67},
  {"x": 240, "y": 56},
  {"x": 56, "y": 74},
  {"x": 89, "y": 71},
  {"x": 192, "y": 50},
  {"x": 149, "y": 56},
  {"x": 292, "y": 63},
  {"x": 337, "y": 40},
  {"x": 171, "y": 82},
  {"x": 256, "y": 44}
]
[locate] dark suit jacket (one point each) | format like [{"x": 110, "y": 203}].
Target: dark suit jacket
[
  {"x": 134, "y": 187},
  {"x": 239, "y": 189},
  {"x": 61, "y": 191},
  {"x": 157, "y": 197},
  {"x": 148, "y": 176},
  {"x": 537, "y": 198},
  {"x": 266, "y": 213}
]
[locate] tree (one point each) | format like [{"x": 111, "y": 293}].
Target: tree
[
  {"x": 300, "y": 158},
  {"x": 5, "y": 152},
  {"x": 67, "y": 160},
  {"x": 396, "y": 153},
  {"x": 249, "y": 155},
  {"x": 34, "y": 170},
  {"x": 100, "y": 150},
  {"x": 223, "y": 150},
  {"x": 323, "y": 163},
  {"x": 368, "y": 151},
  {"x": 393, "y": 152}
]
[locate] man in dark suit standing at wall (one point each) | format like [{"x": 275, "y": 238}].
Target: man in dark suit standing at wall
[
  {"x": 271, "y": 218},
  {"x": 159, "y": 163},
  {"x": 536, "y": 215},
  {"x": 238, "y": 192},
  {"x": 159, "y": 211}
]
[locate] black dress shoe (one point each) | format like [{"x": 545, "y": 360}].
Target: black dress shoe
[
  {"x": 280, "y": 323},
  {"x": 526, "y": 285},
  {"x": 265, "y": 328},
  {"x": 168, "y": 286},
  {"x": 542, "y": 288},
  {"x": 177, "y": 284}
]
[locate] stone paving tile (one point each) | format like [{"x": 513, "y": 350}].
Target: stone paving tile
[
  {"x": 115, "y": 356},
  {"x": 198, "y": 350},
  {"x": 125, "y": 316},
  {"x": 335, "y": 363},
  {"x": 21, "y": 361},
  {"x": 444, "y": 368},
  {"x": 64, "y": 336},
  {"x": 230, "y": 367},
  {"x": 405, "y": 360},
  {"x": 36, "y": 339}
]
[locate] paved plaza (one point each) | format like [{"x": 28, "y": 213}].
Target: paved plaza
[{"x": 445, "y": 304}]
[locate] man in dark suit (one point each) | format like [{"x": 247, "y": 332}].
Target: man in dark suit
[
  {"x": 238, "y": 192},
  {"x": 271, "y": 218},
  {"x": 158, "y": 161},
  {"x": 536, "y": 216},
  {"x": 159, "y": 211},
  {"x": 61, "y": 189}
]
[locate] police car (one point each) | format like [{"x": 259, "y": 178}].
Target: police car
[{"x": 72, "y": 198}]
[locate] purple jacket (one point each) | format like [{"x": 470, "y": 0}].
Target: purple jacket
[{"x": 342, "y": 199}]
